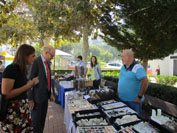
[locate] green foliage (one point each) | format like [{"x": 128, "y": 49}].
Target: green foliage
[
  {"x": 166, "y": 93},
  {"x": 148, "y": 27},
  {"x": 6, "y": 8},
  {"x": 37, "y": 47},
  {"x": 166, "y": 80},
  {"x": 104, "y": 54},
  {"x": 149, "y": 76},
  {"x": 116, "y": 74},
  {"x": 15, "y": 23}
]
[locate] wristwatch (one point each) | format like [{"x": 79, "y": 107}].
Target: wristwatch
[{"x": 139, "y": 96}]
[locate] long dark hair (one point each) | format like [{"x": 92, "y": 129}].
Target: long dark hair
[
  {"x": 21, "y": 57},
  {"x": 93, "y": 65}
]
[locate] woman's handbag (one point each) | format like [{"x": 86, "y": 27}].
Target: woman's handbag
[{"x": 3, "y": 107}]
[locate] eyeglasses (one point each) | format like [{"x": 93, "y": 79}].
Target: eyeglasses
[{"x": 51, "y": 54}]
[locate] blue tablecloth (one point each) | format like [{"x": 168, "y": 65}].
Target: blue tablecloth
[{"x": 64, "y": 86}]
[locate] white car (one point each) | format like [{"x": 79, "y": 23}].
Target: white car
[{"x": 113, "y": 66}]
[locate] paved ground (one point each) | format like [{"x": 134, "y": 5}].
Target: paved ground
[{"x": 55, "y": 118}]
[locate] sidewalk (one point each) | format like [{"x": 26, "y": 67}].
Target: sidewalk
[{"x": 54, "y": 120}]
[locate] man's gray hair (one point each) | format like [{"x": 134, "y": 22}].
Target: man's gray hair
[{"x": 129, "y": 52}]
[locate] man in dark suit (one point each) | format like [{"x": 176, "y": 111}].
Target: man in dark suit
[{"x": 41, "y": 92}]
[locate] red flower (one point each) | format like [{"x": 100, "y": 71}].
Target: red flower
[
  {"x": 4, "y": 121},
  {"x": 16, "y": 105},
  {"x": 24, "y": 115},
  {"x": 29, "y": 121},
  {"x": 17, "y": 130}
]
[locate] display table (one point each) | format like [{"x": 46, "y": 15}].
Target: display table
[
  {"x": 68, "y": 121},
  {"x": 69, "y": 102},
  {"x": 116, "y": 113},
  {"x": 64, "y": 86}
]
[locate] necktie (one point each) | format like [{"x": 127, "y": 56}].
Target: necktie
[{"x": 48, "y": 74}]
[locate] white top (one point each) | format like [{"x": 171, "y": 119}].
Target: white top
[{"x": 81, "y": 64}]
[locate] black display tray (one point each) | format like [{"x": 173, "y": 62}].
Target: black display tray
[
  {"x": 99, "y": 104},
  {"x": 114, "y": 107},
  {"x": 106, "y": 112},
  {"x": 118, "y": 127},
  {"x": 164, "y": 128},
  {"x": 99, "y": 126},
  {"x": 153, "y": 126},
  {"x": 121, "y": 130},
  {"x": 87, "y": 112},
  {"x": 160, "y": 127},
  {"x": 77, "y": 119}
]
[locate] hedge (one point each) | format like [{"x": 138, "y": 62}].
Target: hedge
[
  {"x": 163, "y": 92},
  {"x": 166, "y": 80},
  {"x": 111, "y": 78},
  {"x": 62, "y": 71}
]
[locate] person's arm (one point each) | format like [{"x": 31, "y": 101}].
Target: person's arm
[
  {"x": 99, "y": 71},
  {"x": 34, "y": 73},
  {"x": 144, "y": 85},
  {"x": 85, "y": 72},
  {"x": 9, "y": 92}
]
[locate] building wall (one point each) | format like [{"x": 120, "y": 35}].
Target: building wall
[{"x": 166, "y": 66}]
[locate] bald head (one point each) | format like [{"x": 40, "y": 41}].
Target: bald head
[
  {"x": 48, "y": 52},
  {"x": 129, "y": 52},
  {"x": 127, "y": 57},
  {"x": 48, "y": 48}
]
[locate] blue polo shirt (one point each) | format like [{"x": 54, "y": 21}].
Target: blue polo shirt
[{"x": 129, "y": 81}]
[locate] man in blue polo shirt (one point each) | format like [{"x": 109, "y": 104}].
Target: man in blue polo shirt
[{"x": 133, "y": 82}]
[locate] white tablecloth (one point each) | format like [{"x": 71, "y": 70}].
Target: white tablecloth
[
  {"x": 66, "y": 84},
  {"x": 68, "y": 121}
]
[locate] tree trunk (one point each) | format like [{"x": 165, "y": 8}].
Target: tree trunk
[
  {"x": 46, "y": 40},
  {"x": 145, "y": 63},
  {"x": 25, "y": 40},
  {"x": 85, "y": 45}
]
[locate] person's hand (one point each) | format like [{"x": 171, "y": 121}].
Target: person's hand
[
  {"x": 31, "y": 104},
  {"x": 52, "y": 98},
  {"x": 138, "y": 100},
  {"x": 29, "y": 84},
  {"x": 35, "y": 80}
]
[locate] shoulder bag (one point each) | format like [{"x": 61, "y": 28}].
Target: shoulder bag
[{"x": 3, "y": 107}]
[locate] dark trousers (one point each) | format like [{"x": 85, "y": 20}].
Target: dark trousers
[
  {"x": 38, "y": 116},
  {"x": 96, "y": 83}
]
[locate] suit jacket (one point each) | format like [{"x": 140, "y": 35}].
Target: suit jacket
[{"x": 39, "y": 92}]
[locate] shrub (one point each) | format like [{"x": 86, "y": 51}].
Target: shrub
[
  {"x": 164, "y": 92},
  {"x": 107, "y": 77},
  {"x": 111, "y": 70},
  {"x": 166, "y": 80},
  {"x": 111, "y": 73}
]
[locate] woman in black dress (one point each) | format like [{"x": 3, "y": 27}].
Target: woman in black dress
[{"x": 15, "y": 87}]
